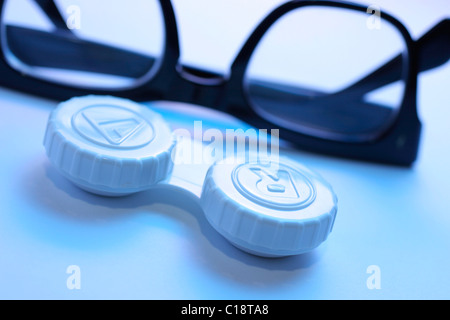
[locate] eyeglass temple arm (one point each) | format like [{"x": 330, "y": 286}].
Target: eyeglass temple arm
[
  {"x": 435, "y": 46},
  {"x": 434, "y": 50},
  {"x": 66, "y": 51},
  {"x": 52, "y": 11}
]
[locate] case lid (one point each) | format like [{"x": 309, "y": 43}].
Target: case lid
[
  {"x": 109, "y": 146},
  {"x": 269, "y": 207}
]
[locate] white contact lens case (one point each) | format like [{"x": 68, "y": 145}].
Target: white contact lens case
[{"x": 265, "y": 206}]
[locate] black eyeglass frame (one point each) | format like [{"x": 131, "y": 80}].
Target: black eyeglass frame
[{"x": 397, "y": 145}]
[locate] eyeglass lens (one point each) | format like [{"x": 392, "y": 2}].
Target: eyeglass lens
[{"x": 305, "y": 71}]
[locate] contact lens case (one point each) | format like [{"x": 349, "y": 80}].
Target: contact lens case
[{"x": 266, "y": 206}]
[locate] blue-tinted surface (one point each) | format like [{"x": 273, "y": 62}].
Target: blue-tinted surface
[{"x": 155, "y": 245}]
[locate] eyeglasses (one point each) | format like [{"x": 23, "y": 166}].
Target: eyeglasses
[{"x": 334, "y": 77}]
